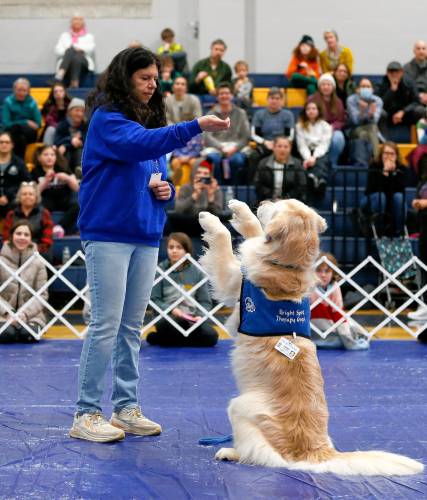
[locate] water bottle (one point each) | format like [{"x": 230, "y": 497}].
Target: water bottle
[
  {"x": 229, "y": 195},
  {"x": 66, "y": 254}
]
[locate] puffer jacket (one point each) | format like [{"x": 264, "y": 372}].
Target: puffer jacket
[{"x": 15, "y": 294}]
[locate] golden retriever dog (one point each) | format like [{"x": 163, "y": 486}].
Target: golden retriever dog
[{"x": 280, "y": 418}]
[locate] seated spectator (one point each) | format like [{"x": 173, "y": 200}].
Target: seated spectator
[
  {"x": 167, "y": 75},
  {"x": 54, "y": 110},
  {"x": 344, "y": 85},
  {"x": 12, "y": 172},
  {"x": 385, "y": 191},
  {"x": 58, "y": 187},
  {"x": 15, "y": 254},
  {"x": 242, "y": 86},
  {"x": 188, "y": 155},
  {"x": 314, "y": 136},
  {"x": 225, "y": 148},
  {"x": 347, "y": 335},
  {"x": 181, "y": 106},
  {"x": 364, "y": 112},
  {"x": 268, "y": 123},
  {"x": 28, "y": 207},
  {"x": 303, "y": 70},
  {"x": 70, "y": 135},
  {"x": 75, "y": 51},
  {"x": 208, "y": 73},
  {"x": 332, "y": 112},
  {"x": 280, "y": 175},
  {"x": 171, "y": 48},
  {"x": 334, "y": 53},
  {"x": 21, "y": 116},
  {"x": 164, "y": 294},
  {"x": 416, "y": 70},
  {"x": 400, "y": 99},
  {"x": 201, "y": 194}
]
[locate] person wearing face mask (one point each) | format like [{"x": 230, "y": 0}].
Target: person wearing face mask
[
  {"x": 303, "y": 70},
  {"x": 364, "y": 112},
  {"x": 15, "y": 297}
]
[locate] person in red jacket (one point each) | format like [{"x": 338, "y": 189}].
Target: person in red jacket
[{"x": 303, "y": 70}]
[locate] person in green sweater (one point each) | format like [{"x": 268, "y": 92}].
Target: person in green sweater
[
  {"x": 164, "y": 294},
  {"x": 21, "y": 116},
  {"x": 208, "y": 73}
]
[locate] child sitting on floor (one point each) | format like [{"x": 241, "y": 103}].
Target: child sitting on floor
[{"x": 347, "y": 335}]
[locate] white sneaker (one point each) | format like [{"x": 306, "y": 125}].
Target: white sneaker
[
  {"x": 419, "y": 315},
  {"x": 94, "y": 427},
  {"x": 133, "y": 421}
]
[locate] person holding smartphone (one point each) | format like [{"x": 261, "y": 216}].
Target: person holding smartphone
[{"x": 202, "y": 194}]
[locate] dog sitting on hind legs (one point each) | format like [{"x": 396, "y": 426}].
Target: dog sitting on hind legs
[{"x": 280, "y": 418}]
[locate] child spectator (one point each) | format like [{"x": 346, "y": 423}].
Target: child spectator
[
  {"x": 188, "y": 155},
  {"x": 314, "y": 137},
  {"x": 54, "y": 110},
  {"x": 280, "y": 175},
  {"x": 323, "y": 315},
  {"x": 201, "y": 194},
  {"x": 21, "y": 116},
  {"x": 208, "y": 73},
  {"x": 75, "y": 50},
  {"x": 385, "y": 190},
  {"x": 167, "y": 74},
  {"x": 58, "y": 187},
  {"x": 242, "y": 86},
  {"x": 12, "y": 172},
  {"x": 334, "y": 53},
  {"x": 333, "y": 112},
  {"x": 303, "y": 70},
  {"x": 225, "y": 148},
  {"x": 344, "y": 85},
  {"x": 15, "y": 254},
  {"x": 28, "y": 207},
  {"x": 187, "y": 275},
  {"x": 70, "y": 135},
  {"x": 364, "y": 112},
  {"x": 173, "y": 49}
]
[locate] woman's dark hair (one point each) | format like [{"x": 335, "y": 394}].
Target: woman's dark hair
[
  {"x": 114, "y": 89},
  {"x": 303, "y": 118},
  {"x": 50, "y": 101},
  {"x": 21, "y": 222},
  {"x": 5, "y": 132},
  {"x": 61, "y": 162},
  {"x": 183, "y": 239}
]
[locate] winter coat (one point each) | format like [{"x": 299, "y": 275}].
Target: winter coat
[
  {"x": 11, "y": 178},
  {"x": 86, "y": 43},
  {"x": 15, "y": 294}
]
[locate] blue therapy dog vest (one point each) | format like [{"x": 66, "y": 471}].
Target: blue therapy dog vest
[{"x": 263, "y": 317}]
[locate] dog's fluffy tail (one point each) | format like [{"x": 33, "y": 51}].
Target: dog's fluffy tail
[{"x": 368, "y": 463}]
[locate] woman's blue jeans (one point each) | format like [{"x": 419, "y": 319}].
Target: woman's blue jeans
[
  {"x": 336, "y": 147},
  {"x": 120, "y": 277},
  {"x": 237, "y": 163},
  {"x": 377, "y": 203}
]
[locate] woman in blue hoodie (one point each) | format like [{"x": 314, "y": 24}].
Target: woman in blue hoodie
[{"x": 122, "y": 199}]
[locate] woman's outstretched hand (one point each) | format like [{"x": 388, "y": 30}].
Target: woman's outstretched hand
[{"x": 211, "y": 123}]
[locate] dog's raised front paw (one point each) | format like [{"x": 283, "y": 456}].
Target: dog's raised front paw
[
  {"x": 227, "y": 454},
  {"x": 208, "y": 221},
  {"x": 238, "y": 207}
]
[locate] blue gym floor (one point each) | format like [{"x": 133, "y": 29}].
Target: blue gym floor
[{"x": 377, "y": 400}]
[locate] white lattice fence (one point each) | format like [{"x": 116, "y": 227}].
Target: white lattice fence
[{"x": 390, "y": 316}]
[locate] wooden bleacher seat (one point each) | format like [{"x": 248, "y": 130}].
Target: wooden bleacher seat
[
  {"x": 29, "y": 154},
  {"x": 405, "y": 150},
  {"x": 294, "y": 98},
  {"x": 40, "y": 94}
]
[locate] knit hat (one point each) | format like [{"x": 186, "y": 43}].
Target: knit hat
[
  {"x": 76, "y": 103},
  {"x": 307, "y": 39},
  {"x": 205, "y": 164},
  {"x": 326, "y": 77}
]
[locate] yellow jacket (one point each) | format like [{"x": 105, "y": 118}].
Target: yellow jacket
[{"x": 345, "y": 57}]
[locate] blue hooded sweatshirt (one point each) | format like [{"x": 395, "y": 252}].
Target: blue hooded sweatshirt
[{"x": 119, "y": 157}]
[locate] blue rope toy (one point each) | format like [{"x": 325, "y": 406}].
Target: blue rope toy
[{"x": 208, "y": 441}]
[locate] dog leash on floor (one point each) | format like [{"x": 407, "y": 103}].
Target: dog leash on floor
[{"x": 207, "y": 441}]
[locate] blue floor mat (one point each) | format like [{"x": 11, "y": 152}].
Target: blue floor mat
[{"x": 377, "y": 400}]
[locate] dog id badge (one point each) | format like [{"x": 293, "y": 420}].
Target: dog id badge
[
  {"x": 155, "y": 178},
  {"x": 287, "y": 348}
]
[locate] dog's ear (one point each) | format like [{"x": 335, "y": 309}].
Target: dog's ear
[{"x": 321, "y": 224}]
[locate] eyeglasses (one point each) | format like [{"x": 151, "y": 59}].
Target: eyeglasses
[
  {"x": 5, "y": 142},
  {"x": 31, "y": 183},
  {"x": 389, "y": 153}
]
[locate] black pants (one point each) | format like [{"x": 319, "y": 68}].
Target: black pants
[
  {"x": 14, "y": 334},
  {"x": 167, "y": 336},
  {"x": 22, "y": 135},
  {"x": 74, "y": 157},
  {"x": 74, "y": 63}
]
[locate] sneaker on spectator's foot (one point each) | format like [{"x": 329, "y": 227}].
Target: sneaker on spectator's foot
[
  {"x": 419, "y": 315},
  {"x": 313, "y": 181},
  {"x": 133, "y": 421},
  {"x": 94, "y": 427},
  {"x": 58, "y": 231}
]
